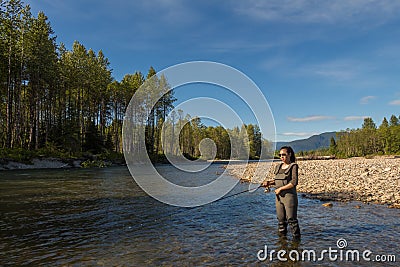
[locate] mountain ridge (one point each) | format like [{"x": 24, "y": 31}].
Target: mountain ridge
[{"x": 314, "y": 142}]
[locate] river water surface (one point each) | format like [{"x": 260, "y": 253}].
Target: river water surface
[{"x": 100, "y": 217}]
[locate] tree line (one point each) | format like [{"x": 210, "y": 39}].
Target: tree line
[
  {"x": 365, "y": 141},
  {"x": 245, "y": 142},
  {"x": 56, "y": 99},
  {"x": 369, "y": 139},
  {"x": 50, "y": 96}
]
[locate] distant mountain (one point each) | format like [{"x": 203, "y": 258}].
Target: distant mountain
[{"x": 312, "y": 143}]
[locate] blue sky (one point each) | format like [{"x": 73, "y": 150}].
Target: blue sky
[{"x": 322, "y": 65}]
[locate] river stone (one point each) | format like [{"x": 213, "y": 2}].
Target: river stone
[{"x": 367, "y": 180}]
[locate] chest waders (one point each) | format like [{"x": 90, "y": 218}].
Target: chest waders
[{"x": 286, "y": 202}]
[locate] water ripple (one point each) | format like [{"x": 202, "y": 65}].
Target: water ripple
[{"x": 100, "y": 217}]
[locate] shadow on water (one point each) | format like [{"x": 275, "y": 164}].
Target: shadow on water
[{"x": 101, "y": 217}]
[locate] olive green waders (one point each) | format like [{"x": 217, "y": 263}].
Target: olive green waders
[{"x": 286, "y": 201}]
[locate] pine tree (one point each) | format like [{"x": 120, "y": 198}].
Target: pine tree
[
  {"x": 333, "y": 146},
  {"x": 11, "y": 20},
  {"x": 40, "y": 67},
  {"x": 394, "y": 121},
  {"x": 384, "y": 136}
]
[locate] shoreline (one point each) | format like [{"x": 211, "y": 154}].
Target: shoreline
[
  {"x": 368, "y": 180},
  {"x": 375, "y": 180},
  {"x": 40, "y": 163},
  {"x": 55, "y": 163},
  {"x": 60, "y": 163}
]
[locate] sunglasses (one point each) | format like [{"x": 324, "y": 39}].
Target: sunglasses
[{"x": 282, "y": 155}]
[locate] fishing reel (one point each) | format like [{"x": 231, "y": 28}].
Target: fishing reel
[{"x": 267, "y": 186}]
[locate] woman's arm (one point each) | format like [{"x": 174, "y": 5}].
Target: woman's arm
[{"x": 285, "y": 187}]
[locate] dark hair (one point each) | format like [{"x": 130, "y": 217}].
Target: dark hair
[{"x": 291, "y": 152}]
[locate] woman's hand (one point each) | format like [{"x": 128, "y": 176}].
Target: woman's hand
[
  {"x": 278, "y": 191},
  {"x": 267, "y": 183},
  {"x": 285, "y": 187}
]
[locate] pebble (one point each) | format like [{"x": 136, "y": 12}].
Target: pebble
[{"x": 372, "y": 180}]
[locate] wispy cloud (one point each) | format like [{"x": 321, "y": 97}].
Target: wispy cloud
[
  {"x": 238, "y": 45},
  {"x": 309, "y": 118},
  {"x": 395, "y": 102},
  {"x": 366, "y": 99},
  {"x": 355, "y": 118},
  {"x": 327, "y": 12},
  {"x": 339, "y": 70}
]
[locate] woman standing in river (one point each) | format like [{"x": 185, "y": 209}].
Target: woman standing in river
[{"x": 285, "y": 182}]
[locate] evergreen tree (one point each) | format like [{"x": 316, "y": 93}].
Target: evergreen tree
[
  {"x": 333, "y": 146},
  {"x": 369, "y": 124},
  {"x": 41, "y": 61},
  {"x": 384, "y": 136},
  {"x": 394, "y": 121},
  {"x": 11, "y": 34}
]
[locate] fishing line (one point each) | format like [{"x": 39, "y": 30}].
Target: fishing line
[{"x": 155, "y": 221}]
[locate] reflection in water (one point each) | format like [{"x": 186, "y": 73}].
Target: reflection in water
[{"x": 101, "y": 217}]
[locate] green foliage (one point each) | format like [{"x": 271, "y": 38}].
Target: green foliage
[
  {"x": 363, "y": 142},
  {"x": 370, "y": 140},
  {"x": 93, "y": 141},
  {"x": 369, "y": 124},
  {"x": 66, "y": 98},
  {"x": 95, "y": 164},
  {"x": 64, "y": 103},
  {"x": 333, "y": 146},
  {"x": 312, "y": 153},
  {"x": 51, "y": 150},
  {"x": 394, "y": 121},
  {"x": 243, "y": 143},
  {"x": 25, "y": 156},
  {"x": 18, "y": 155}
]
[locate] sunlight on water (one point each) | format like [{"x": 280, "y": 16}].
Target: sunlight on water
[{"x": 101, "y": 217}]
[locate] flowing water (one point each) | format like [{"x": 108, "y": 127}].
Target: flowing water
[{"x": 100, "y": 217}]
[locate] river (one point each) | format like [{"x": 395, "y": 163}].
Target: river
[{"x": 100, "y": 217}]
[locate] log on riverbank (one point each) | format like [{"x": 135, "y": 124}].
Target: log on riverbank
[{"x": 375, "y": 180}]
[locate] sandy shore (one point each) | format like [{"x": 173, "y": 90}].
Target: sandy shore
[{"x": 375, "y": 180}]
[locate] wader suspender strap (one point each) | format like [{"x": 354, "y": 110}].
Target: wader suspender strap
[{"x": 287, "y": 170}]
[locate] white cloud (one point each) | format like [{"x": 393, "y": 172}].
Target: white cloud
[
  {"x": 366, "y": 99},
  {"x": 339, "y": 70},
  {"x": 395, "y": 102},
  {"x": 328, "y": 12},
  {"x": 355, "y": 118},
  {"x": 309, "y": 118},
  {"x": 238, "y": 45}
]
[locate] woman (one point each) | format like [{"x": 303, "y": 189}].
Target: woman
[{"x": 285, "y": 181}]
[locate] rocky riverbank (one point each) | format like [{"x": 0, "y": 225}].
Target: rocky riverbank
[
  {"x": 44, "y": 163},
  {"x": 57, "y": 163},
  {"x": 375, "y": 180}
]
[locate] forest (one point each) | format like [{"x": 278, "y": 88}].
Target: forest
[
  {"x": 60, "y": 102},
  {"x": 368, "y": 140},
  {"x": 56, "y": 101}
]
